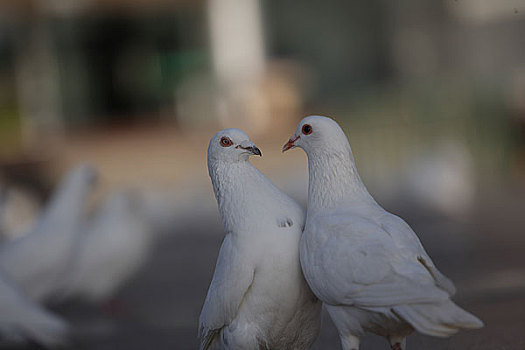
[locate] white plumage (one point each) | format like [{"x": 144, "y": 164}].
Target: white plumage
[
  {"x": 442, "y": 178},
  {"x": 113, "y": 248},
  {"x": 258, "y": 298},
  {"x": 365, "y": 263},
  {"x": 21, "y": 320},
  {"x": 38, "y": 261}
]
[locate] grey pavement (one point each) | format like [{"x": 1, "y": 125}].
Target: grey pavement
[{"x": 484, "y": 254}]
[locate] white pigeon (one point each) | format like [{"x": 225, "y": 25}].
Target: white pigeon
[
  {"x": 23, "y": 321},
  {"x": 365, "y": 263},
  {"x": 38, "y": 260},
  {"x": 442, "y": 178},
  {"x": 114, "y": 247},
  {"x": 258, "y": 298}
]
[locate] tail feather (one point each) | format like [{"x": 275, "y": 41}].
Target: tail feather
[
  {"x": 210, "y": 340},
  {"x": 439, "y": 320}
]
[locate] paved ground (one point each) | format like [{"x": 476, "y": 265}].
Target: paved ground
[
  {"x": 484, "y": 255},
  {"x": 159, "y": 309}
]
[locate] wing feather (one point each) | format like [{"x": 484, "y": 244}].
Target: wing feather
[
  {"x": 360, "y": 263},
  {"x": 231, "y": 282},
  {"x": 407, "y": 239}
]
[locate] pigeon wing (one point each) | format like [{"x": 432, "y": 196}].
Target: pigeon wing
[
  {"x": 360, "y": 265},
  {"x": 231, "y": 282},
  {"x": 407, "y": 240}
]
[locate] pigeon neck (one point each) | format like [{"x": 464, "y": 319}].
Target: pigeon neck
[
  {"x": 334, "y": 180},
  {"x": 233, "y": 183},
  {"x": 66, "y": 206}
]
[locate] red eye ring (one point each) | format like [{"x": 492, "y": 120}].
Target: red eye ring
[
  {"x": 307, "y": 129},
  {"x": 226, "y": 142}
]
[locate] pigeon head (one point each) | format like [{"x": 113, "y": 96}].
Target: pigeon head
[
  {"x": 71, "y": 194},
  {"x": 83, "y": 173},
  {"x": 317, "y": 134},
  {"x": 231, "y": 145},
  {"x": 78, "y": 180}
]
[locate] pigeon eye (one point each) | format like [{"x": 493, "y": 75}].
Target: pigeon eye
[
  {"x": 226, "y": 142},
  {"x": 307, "y": 129}
]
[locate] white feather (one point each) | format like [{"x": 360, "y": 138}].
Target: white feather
[
  {"x": 21, "y": 320},
  {"x": 365, "y": 263},
  {"x": 38, "y": 260},
  {"x": 113, "y": 248},
  {"x": 258, "y": 297}
]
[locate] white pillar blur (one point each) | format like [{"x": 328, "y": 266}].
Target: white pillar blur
[
  {"x": 236, "y": 39},
  {"x": 237, "y": 44}
]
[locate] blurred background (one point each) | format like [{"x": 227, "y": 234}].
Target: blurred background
[{"x": 431, "y": 95}]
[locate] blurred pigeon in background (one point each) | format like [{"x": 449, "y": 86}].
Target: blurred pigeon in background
[
  {"x": 365, "y": 263},
  {"x": 22, "y": 321},
  {"x": 38, "y": 260},
  {"x": 258, "y": 297},
  {"x": 112, "y": 249},
  {"x": 442, "y": 178}
]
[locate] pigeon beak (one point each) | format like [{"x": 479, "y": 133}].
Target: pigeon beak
[
  {"x": 290, "y": 144},
  {"x": 252, "y": 149}
]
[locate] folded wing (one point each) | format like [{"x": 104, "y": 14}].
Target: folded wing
[
  {"x": 231, "y": 282},
  {"x": 363, "y": 265}
]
